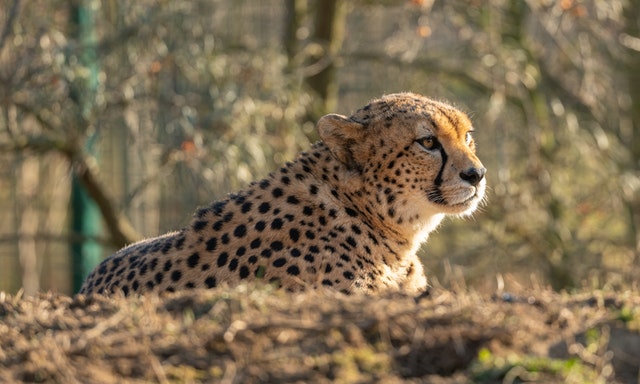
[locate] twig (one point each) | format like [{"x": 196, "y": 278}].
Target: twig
[{"x": 13, "y": 13}]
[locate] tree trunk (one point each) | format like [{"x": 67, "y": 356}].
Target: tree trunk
[
  {"x": 632, "y": 31},
  {"x": 330, "y": 19}
]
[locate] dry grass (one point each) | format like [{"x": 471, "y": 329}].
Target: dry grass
[{"x": 251, "y": 334}]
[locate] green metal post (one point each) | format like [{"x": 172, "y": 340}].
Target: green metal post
[{"x": 86, "y": 218}]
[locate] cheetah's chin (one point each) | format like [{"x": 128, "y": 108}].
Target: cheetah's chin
[{"x": 467, "y": 202}]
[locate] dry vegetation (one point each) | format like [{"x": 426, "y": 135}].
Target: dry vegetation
[{"x": 247, "y": 335}]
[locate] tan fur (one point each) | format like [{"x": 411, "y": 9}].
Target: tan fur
[{"x": 349, "y": 214}]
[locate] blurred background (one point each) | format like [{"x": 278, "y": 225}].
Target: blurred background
[{"x": 118, "y": 119}]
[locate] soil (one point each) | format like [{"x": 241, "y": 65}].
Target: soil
[{"x": 256, "y": 334}]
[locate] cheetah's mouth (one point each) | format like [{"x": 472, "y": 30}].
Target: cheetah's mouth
[{"x": 462, "y": 198}]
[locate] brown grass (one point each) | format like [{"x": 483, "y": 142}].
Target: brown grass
[{"x": 256, "y": 334}]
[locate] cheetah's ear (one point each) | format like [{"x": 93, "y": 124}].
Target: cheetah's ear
[{"x": 340, "y": 133}]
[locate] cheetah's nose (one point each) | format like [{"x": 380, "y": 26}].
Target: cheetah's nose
[{"x": 473, "y": 175}]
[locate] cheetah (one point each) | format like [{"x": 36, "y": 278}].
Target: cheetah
[{"x": 350, "y": 213}]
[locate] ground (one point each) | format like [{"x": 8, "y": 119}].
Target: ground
[{"x": 249, "y": 335}]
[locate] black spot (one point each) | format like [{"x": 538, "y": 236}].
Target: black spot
[
  {"x": 309, "y": 257},
  {"x": 239, "y": 199},
  {"x": 264, "y": 207},
  {"x": 199, "y": 225},
  {"x": 295, "y": 252},
  {"x": 210, "y": 282},
  {"x": 260, "y": 226},
  {"x": 293, "y": 200},
  {"x": 391, "y": 164},
  {"x": 253, "y": 259},
  {"x": 246, "y": 207},
  {"x": 135, "y": 285},
  {"x": 244, "y": 272},
  {"x": 308, "y": 211},
  {"x": 205, "y": 266},
  {"x": 276, "y": 223},
  {"x": 193, "y": 260},
  {"x": 313, "y": 189},
  {"x": 218, "y": 207},
  {"x": 241, "y": 251},
  {"x": 294, "y": 234},
  {"x": 285, "y": 180},
  {"x": 277, "y": 192},
  {"x": 167, "y": 265},
  {"x": 266, "y": 253},
  {"x": 125, "y": 290},
  {"x": 391, "y": 198},
  {"x": 131, "y": 275},
  {"x": 211, "y": 244},
  {"x": 201, "y": 212},
  {"x": 327, "y": 282},
  {"x": 293, "y": 270},
  {"x": 348, "y": 275},
  {"x": 154, "y": 263},
  {"x": 277, "y": 246},
  {"x": 227, "y": 217},
  {"x": 190, "y": 285},
  {"x": 355, "y": 229},
  {"x": 149, "y": 284},
  {"x": 233, "y": 264},
  {"x": 240, "y": 231},
  {"x": 225, "y": 238},
  {"x": 176, "y": 275},
  {"x": 222, "y": 259},
  {"x": 279, "y": 262},
  {"x": 310, "y": 235},
  {"x": 328, "y": 268},
  {"x": 255, "y": 243},
  {"x": 345, "y": 258},
  {"x": 350, "y": 212},
  {"x": 264, "y": 184},
  {"x": 314, "y": 249},
  {"x": 158, "y": 277},
  {"x": 352, "y": 242},
  {"x": 217, "y": 225}
]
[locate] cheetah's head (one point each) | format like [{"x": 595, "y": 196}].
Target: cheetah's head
[{"x": 415, "y": 154}]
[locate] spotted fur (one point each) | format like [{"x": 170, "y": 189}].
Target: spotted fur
[{"x": 348, "y": 214}]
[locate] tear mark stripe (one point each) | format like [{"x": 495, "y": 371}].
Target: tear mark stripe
[{"x": 443, "y": 155}]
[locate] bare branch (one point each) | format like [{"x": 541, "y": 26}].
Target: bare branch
[
  {"x": 13, "y": 13},
  {"x": 61, "y": 238},
  {"x": 120, "y": 229}
]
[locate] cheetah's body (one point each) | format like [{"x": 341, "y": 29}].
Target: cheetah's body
[{"x": 349, "y": 214}]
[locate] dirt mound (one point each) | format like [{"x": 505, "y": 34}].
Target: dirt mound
[{"x": 251, "y": 334}]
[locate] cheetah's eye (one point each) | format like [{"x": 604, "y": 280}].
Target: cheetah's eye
[{"x": 429, "y": 143}]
